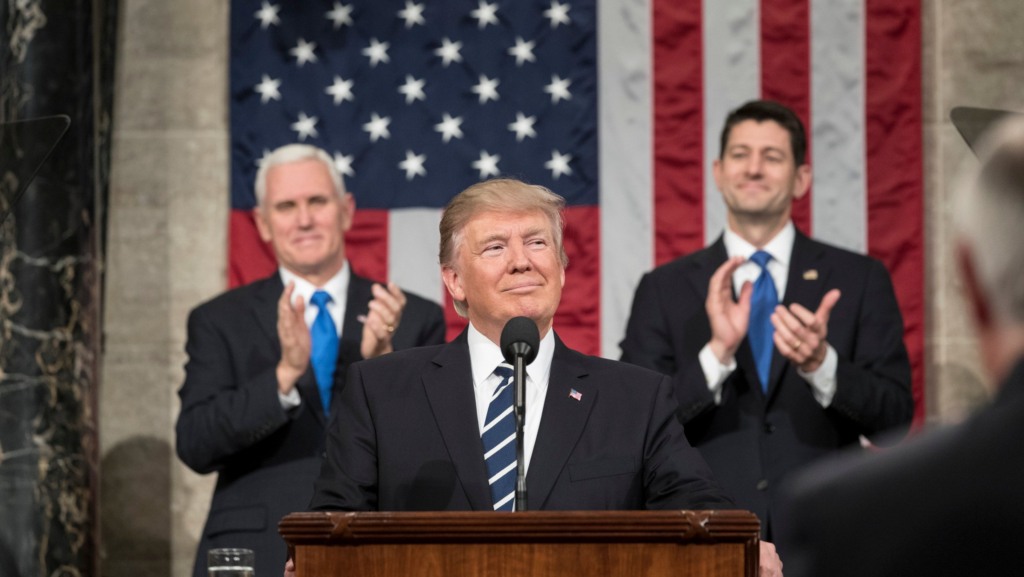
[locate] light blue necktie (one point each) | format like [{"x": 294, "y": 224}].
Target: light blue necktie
[
  {"x": 760, "y": 331},
  {"x": 324, "y": 355},
  {"x": 499, "y": 439}
]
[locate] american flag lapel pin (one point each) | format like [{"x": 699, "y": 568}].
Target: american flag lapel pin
[{"x": 576, "y": 394}]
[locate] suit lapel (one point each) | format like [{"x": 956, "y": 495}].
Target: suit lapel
[
  {"x": 449, "y": 390},
  {"x": 357, "y": 303},
  {"x": 561, "y": 425}
]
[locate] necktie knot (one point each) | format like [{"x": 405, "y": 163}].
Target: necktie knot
[
  {"x": 320, "y": 299},
  {"x": 503, "y": 371},
  {"x": 761, "y": 258}
]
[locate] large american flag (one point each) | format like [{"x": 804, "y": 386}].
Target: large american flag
[{"x": 615, "y": 104}]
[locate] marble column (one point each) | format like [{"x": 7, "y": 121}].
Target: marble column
[{"x": 56, "y": 59}]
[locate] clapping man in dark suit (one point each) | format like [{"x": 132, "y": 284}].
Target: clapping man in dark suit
[
  {"x": 781, "y": 349},
  {"x": 412, "y": 431},
  {"x": 266, "y": 360},
  {"x": 948, "y": 503}
]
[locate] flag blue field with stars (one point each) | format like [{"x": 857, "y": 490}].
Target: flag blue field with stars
[{"x": 415, "y": 101}]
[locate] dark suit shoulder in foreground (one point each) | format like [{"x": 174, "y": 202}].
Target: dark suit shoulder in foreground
[{"x": 949, "y": 503}]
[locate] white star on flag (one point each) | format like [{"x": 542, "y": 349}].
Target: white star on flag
[
  {"x": 523, "y": 51},
  {"x": 558, "y": 13},
  {"x": 267, "y": 15},
  {"x": 485, "y": 14},
  {"x": 268, "y": 89},
  {"x": 412, "y": 89},
  {"x": 303, "y": 52},
  {"x": 486, "y": 88},
  {"x": 341, "y": 15},
  {"x": 449, "y": 127},
  {"x": 305, "y": 126},
  {"x": 559, "y": 164},
  {"x": 558, "y": 89},
  {"x": 341, "y": 90},
  {"x": 378, "y": 127},
  {"x": 449, "y": 52},
  {"x": 343, "y": 163},
  {"x": 487, "y": 164},
  {"x": 523, "y": 126},
  {"x": 377, "y": 52},
  {"x": 262, "y": 158},
  {"x": 413, "y": 165},
  {"x": 412, "y": 14}
]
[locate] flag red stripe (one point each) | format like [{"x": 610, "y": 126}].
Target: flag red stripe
[
  {"x": 786, "y": 71},
  {"x": 894, "y": 163},
  {"x": 578, "y": 320},
  {"x": 678, "y": 128},
  {"x": 366, "y": 244}
]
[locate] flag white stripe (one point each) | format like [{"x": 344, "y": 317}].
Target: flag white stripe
[
  {"x": 626, "y": 151},
  {"x": 412, "y": 251},
  {"x": 498, "y": 447},
  {"x": 839, "y": 206},
  {"x": 732, "y": 75}
]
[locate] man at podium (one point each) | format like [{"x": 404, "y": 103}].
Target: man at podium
[{"x": 415, "y": 430}]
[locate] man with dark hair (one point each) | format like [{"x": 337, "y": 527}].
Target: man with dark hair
[
  {"x": 781, "y": 349},
  {"x": 267, "y": 360},
  {"x": 948, "y": 503}
]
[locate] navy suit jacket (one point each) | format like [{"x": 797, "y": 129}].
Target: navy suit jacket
[
  {"x": 948, "y": 503},
  {"x": 231, "y": 419},
  {"x": 407, "y": 438},
  {"x": 752, "y": 440}
]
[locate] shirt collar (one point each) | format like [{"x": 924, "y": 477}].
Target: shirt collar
[
  {"x": 484, "y": 356},
  {"x": 336, "y": 286},
  {"x": 780, "y": 247}
]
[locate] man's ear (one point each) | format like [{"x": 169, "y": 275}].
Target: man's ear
[
  {"x": 803, "y": 181},
  {"x": 453, "y": 282},
  {"x": 348, "y": 208},
  {"x": 973, "y": 292},
  {"x": 261, "y": 224}
]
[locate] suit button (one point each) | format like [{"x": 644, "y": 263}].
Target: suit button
[
  {"x": 762, "y": 484},
  {"x": 769, "y": 428}
]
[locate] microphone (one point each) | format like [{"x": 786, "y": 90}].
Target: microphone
[
  {"x": 520, "y": 337},
  {"x": 520, "y": 340}
]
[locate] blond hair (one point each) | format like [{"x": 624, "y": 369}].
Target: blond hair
[{"x": 497, "y": 195}]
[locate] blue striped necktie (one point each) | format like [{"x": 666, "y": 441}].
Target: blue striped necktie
[
  {"x": 760, "y": 331},
  {"x": 499, "y": 440},
  {"x": 324, "y": 355}
]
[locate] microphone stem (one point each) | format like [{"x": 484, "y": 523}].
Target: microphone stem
[{"x": 519, "y": 374}]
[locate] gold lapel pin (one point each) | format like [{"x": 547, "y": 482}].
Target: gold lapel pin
[{"x": 811, "y": 274}]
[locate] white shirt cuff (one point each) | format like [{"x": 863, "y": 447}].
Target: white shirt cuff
[
  {"x": 291, "y": 400},
  {"x": 823, "y": 380},
  {"x": 715, "y": 372}
]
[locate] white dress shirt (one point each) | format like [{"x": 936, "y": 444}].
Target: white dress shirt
[
  {"x": 485, "y": 356},
  {"x": 822, "y": 380},
  {"x": 337, "y": 287}
]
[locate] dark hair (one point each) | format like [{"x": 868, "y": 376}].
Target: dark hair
[{"x": 762, "y": 110}]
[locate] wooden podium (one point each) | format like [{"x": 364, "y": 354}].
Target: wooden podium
[{"x": 534, "y": 544}]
